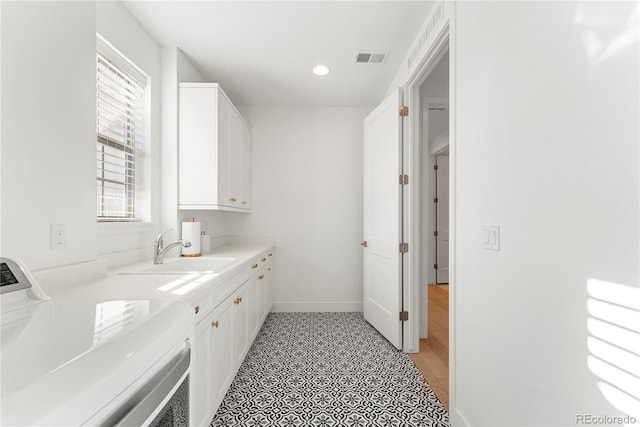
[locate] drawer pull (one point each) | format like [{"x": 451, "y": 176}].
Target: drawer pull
[
  {"x": 268, "y": 268},
  {"x": 244, "y": 202},
  {"x": 237, "y": 301},
  {"x": 254, "y": 266},
  {"x": 233, "y": 199},
  {"x": 263, "y": 259},
  {"x": 270, "y": 254},
  {"x": 197, "y": 309},
  {"x": 214, "y": 324},
  {"x": 261, "y": 276}
]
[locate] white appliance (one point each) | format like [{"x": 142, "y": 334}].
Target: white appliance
[{"x": 91, "y": 362}]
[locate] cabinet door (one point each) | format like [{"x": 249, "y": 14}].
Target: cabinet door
[
  {"x": 198, "y": 159},
  {"x": 200, "y": 375},
  {"x": 226, "y": 114},
  {"x": 221, "y": 357},
  {"x": 267, "y": 286},
  {"x": 239, "y": 162},
  {"x": 253, "y": 307},
  {"x": 235, "y": 160},
  {"x": 240, "y": 331},
  {"x": 245, "y": 166}
]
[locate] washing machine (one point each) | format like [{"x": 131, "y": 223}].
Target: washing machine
[{"x": 76, "y": 362}]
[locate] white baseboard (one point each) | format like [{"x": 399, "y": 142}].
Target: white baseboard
[
  {"x": 316, "y": 306},
  {"x": 457, "y": 419}
]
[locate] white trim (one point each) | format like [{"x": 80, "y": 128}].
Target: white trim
[
  {"x": 412, "y": 212},
  {"x": 453, "y": 154},
  {"x": 105, "y": 48},
  {"x": 457, "y": 419},
  {"x": 443, "y": 38},
  {"x": 317, "y": 306}
]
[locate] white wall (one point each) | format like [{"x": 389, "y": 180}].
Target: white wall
[
  {"x": 307, "y": 194},
  {"x": 48, "y": 161},
  {"x": 169, "y": 138},
  {"x": 547, "y": 98},
  {"x": 48, "y": 117},
  {"x": 187, "y": 72},
  {"x": 176, "y": 68},
  {"x": 119, "y": 28}
]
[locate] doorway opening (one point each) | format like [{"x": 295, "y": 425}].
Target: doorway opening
[{"x": 433, "y": 356}]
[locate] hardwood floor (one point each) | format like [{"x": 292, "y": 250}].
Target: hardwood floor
[{"x": 433, "y": 359}]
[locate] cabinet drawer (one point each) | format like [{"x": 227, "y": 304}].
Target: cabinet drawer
[{"x": 203, "y": 306}]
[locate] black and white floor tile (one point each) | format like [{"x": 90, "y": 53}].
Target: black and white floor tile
[{"x": 327, "y": 369}]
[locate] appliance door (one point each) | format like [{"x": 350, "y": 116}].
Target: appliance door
[{"x": 163, "y": 400}]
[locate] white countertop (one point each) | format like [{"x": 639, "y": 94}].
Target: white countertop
[
  {"x": 187, "y": 287},
  {"x": 51, "y": 349}
]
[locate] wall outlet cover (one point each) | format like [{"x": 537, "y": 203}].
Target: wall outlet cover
[{"x": 58, "y": 236}]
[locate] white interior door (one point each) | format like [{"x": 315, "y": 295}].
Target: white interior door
[{"x": 382, "y": 219}]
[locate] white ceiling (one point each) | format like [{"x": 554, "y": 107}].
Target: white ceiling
[{"x": 262, "y": 52}]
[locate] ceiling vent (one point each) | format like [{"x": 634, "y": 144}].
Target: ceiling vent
[{"x": 371, "y": 58}]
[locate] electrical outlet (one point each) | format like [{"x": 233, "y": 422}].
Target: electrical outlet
[{"x": 58, "y": 236}]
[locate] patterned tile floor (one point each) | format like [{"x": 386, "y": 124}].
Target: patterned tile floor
[{"x": 327, "y": 369}]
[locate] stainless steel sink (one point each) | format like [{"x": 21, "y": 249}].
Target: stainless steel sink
[{"x": 187, "y": 265}]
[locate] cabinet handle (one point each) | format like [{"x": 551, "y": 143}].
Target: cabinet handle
[
  {"x": 261, "y": 276},
  {"x": 254, "y": 266},
  {"x": 238, "y": 301},
  {"x": 268, "y": 268},
  {"x": 214, "y": 324},
  {"x": 233, "y": 199},
  {"x": 263, "y": 259},
  {"x": 244, "y": 202},
  {"x": 270, "y": 255},
  {"x": 197, "y": 309}
]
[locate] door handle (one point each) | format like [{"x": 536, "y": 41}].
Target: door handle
[{"x": 364, "y": 243}]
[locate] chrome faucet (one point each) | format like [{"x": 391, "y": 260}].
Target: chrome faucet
[{"x": 160, "y": 251}]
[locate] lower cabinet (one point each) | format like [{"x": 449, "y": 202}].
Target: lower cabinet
[
  {"x": 241, "y": 300},
  {"x": 253, "y": 315},
  {"x": 214, "y": 363},
  {"x": 264, "y": 294},
  {"x": 221, "y": 361},
  {"x": 223, "y": 338}
]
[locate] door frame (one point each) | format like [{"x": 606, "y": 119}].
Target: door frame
[{"x": 443, "y": 40}]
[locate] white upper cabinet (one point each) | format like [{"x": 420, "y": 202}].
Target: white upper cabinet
[{"x": 214, "y": 154}]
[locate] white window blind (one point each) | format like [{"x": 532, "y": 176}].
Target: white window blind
[{"x": 120, "y": 129}]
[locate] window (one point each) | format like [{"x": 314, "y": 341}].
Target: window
[{"x": 120, "y": 133}]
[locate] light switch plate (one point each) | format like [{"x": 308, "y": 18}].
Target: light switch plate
[{"x": 491, "y": 237}]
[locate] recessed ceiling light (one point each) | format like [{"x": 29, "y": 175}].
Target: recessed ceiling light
[{"x": 321, "y": 70}]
